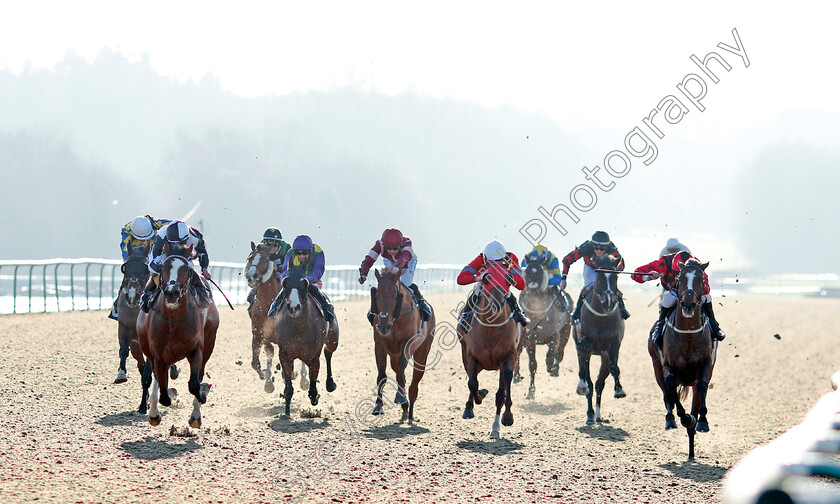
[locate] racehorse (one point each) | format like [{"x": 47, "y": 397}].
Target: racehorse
[
  {"x": 135, "y": 274},
  {"x": 600, "y": 332},
  {"x": 492, "y": 343},
  {"x": 400, "y": 334},
  {"x": 301, "y": 332},
  {"x": 550, "y": 315},
  {"x": 177, "y": 327},
  {"x": 688, "y": 355}
]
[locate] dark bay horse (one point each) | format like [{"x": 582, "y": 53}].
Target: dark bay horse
[
  {"x": 688, "y": 355},
  {"x": 260, "y": 274},
  {"x": 600, "y": 332},
  {"x": 135, "y": 275},
  {"x": 178, "y": 327},
  {"x": 492, "y": 343},
  {"x": 550, "y": 314},
  {"x": 301, "y": 332},
  {"x": 400, "y": 334}
]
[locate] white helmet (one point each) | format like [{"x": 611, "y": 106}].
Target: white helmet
[
  {"x": 495, "y": 251},
  {"x": 141, "y": 228}
]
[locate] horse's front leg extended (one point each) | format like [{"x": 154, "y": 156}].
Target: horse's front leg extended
[
  {"x": 256, "y": 343},
  {"x": 585, "y": 386},
  {"x": 506, "y": 377},
  {"x": 699, "y": 402},
  {"x": 196, "y": 388},
  {"x": 125, "y": 348},
  {"x": 672, "y": 397},
  {"x": 145, "y": 382},
  {"x": 159, "y": 393},
  {"x": 532, "y": 367},
  {"x": 399, "y": 366},
  {"x": 330, "y": 382},
  {"x": 616, "y": 373},
  {"x": 268, "y": 386},
  {"x": 286, "y": 369},
  {"x": 314, "y": 368},
  {"x": 381, "y": 358},
  {"x": 600, "y": 382}
]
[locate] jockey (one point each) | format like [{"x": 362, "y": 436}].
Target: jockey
[
  {"x": 673, "y": 245},
  {"x": 599, "y": 245},
  {"x": 396, "y": 252},
  {"x": 494, "y": 253},
  {"x": 550, "y": 264},
  {"x": 277, "y": 250},
  {"x": 177, "y": 238},
  {"x": 667, "y": 269},
  {"x": 137, "y": 235},
  {"x": 309, "y": 256}
]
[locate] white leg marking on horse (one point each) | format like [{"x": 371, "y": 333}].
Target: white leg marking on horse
[
  {"x": 583, "y": 387},
  {"x": 597, "y": 412},
  {"x": 304, "y": 376},
  {"x": 196, "y": 412},
  {"x": 269, "y": 380},
  {"x": 154, "y": 396},
  {"x": 497, "y": 423}
]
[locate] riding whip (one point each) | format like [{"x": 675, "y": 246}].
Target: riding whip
[{"x": 220, "y": 290}]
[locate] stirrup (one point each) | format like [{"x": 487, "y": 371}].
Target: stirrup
[
  {"x": 425, "y": 311},
  {"x": 370, "y": 318}
]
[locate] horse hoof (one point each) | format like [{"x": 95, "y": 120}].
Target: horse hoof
[
  {"x": 174, "y": 372},
  {"x": 481, "y": 395},
  {"x": 670, "y": 423},
  {"x": 530, "y": 396},
  {"x": 400, "y": 399},
  {"x": 620, "y": 393},
  {"x": 590, "y": 420},
  {"x": 495, "y": 435},
  {"x": 582, "y": 390},
  {"x": 304, "y": 384},
  {"x": 269, "y": 388},
  {"x": 155, "y": 420},
  {"x": 554, "y": 372},
  {"x": 507, "y": 420},
  {"x": 314, "y": 399},
  {"x": 195, "y": 423},
  {"x": 688, "y": 421},
  {"x": 377, "y": 410},
  {"x": 331, "y": 386},
  {"x": 702, "y": 427},
  {"x": 121, "y": 377},
  {"x": 468, "y": 414},
  {"x": 517, "y": 378}
]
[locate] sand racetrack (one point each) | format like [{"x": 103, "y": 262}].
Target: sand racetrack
[{"x": 69, "y": 434}]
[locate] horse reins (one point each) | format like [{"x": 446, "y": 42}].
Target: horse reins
[{"x": 399, "y": 299}]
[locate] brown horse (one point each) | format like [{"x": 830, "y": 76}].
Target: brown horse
[
  {"x": 135, "y": 275},
  {"x": 492, "y": 343},
  {"x": 177, "y": 327},
  {"x": 301, "y": 332},
  {"x": 260, "y": 274},
  {"x": 688, "y": 355},
  {"x": 399, "y": 334},
  {"x": 550, "y": 315},
  {"x": 600, "y": 332}
]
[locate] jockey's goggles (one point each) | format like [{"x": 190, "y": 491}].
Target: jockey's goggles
[{"x": 301, "y": 252}]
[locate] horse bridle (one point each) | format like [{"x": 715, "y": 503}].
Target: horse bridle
[
  {"x": 398, "y": 306},
  {"x": 269, "y": 269},
  {"x": 182, "y": 288}
]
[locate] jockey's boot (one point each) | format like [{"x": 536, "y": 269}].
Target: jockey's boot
[
  {"x": 148, "y": 293},
  {"x": 624, "y": 313},
  {"x": 113, "y": 315},
  {"x": 329, "y": 311},
  {"x": 656, "y": 335},
  {"x": 583, "y": 293},
  {"x": 713, "y": 323},
  {"x": 425, "y": 309},
  {"x": 275, "y": 305},
  {"x": 251, "y": 295},
  {"x": 373, "y": 308},
  {"x": 517, "y": 311},
  {"x": 465, "y": 320}
]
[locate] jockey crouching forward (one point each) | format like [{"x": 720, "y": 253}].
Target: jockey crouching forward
[
  {"x": 494, "y": 255},
  {"x": 136, "y": 237},
  {"x": 177, "y": 238},
  {"x": 551, "y": 265},
  {"x": 309, "y": 257},
  {"x": 667, "y": 270},
  {"x": 599, "y": 245},
  {"x": 396, "y": 252},
  {"x": 277, "y": 250}
]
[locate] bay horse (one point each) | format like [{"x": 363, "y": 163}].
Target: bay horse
[
  {"x": 399, "y": 334},
  {"x": 135, "y": 275},
  {"x": 551, "y": 315},
  {"x": 177, "y": 327},
  {"x": 688, "y": 354},
  {"x": 492, "y": 343},
  {"x": 600, "y": 332},
  {"x": 301, "y": 332}
]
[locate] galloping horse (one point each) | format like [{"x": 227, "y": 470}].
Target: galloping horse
[
  {"x": 135, "y": 274},
  {"x": 600, "y": 332},
  {"x": 177, "y": 327},
  {"x": 260, "y": 274},
  {"x": 399, "y": 333},
  {"x": 300, "y": 332},
  {"x": 550, "y": 316},
  {"x": 688, "y": 355},
  {"x": 492, "y": 342}
]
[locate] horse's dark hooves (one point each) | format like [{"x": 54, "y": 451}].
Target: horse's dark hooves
[
  {"x": 688, "y": 421},
  {"x": 517, "y": 378},
  {"x": 554, "y": 372},
  {"x": 142, "y": 410},
  {"x": 507, "y": 420},
  {"x": 377, "y": 410},
  {"x": 468, "y": 414},
  {"x": 620, "y": 393},
  {"x": 314, "y": 399},
  {"x": 195, "y": 423},
  {"x": 702, "y": 427},
  {"x": 330, "y": 385},
  {"x": 400, "y": 399},
  {"x": 670, "y": 424},
  {"x": 279, "y": 367},
  {"x": 591, "y": 420},
  {"x": 483, "y": 393},
  {"x": 174, "y": 372}
]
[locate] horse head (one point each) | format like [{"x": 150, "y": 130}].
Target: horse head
[
  {"x": 690, "y": 286},
  {"x": 175, "y": 278},
  {"x": 135, "y": 274},
  {"x": 536, "y": 277},
  {"x": 296, "y": 287},
  {"x": 258, "y": 267},
  {"x": 606, "y": 282},
  {"x": 389, "y": 298}
]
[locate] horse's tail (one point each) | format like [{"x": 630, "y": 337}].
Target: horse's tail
[{"x": 682, "y": 391}]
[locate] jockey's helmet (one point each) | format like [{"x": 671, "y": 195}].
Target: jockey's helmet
[
  {"x": 302, "y": 242},
  {"x": 392, "y": 238},
  {"x": 601, "y": 238},
  {"x": 672, "y": 244},
  {"x": 141, "y": 228},
  {"x": 272, "y": 237},
  {"x": 680, "y": 257},
  {"x": 177, "y": 232},
  {"x": 495, "y": 251}
]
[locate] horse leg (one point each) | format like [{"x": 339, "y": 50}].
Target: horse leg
[
  {"x": 304, "y": 377},
  {"x": 506, "y": 379},
  {"x": 159, "y": 392},
  {"x": 197, "y": 389},
  {"x": 125, "y": 348},
  {"x": 287, "y": 367},
  {"x": 532, "y": 367},
  {"x": 699, "y": 403},
  {"x": 146, "y": 382},
  {"x": 314, "y": 368},
  {"x": 517, "y": 377},
  {"x": 399, "y": 366},
  {"x": 381, "y": 358},
  {"x": 256, "y": 343},
  {"x": 672, "y": 396},
  {"x": 330, "y": 383},
  {"x": 585, "y": 385},
  {"x": 420, "y": 356},
  {"x": 600, "y": 382},
  {"x": 616, "y": 373},
  {"x": 659, "y": 374},
  {"x": 476, "y": 395},
  {"x": 495, "y": 432},
  {"x": 265, "y": 374},
  {"x": 552, "y": 365}
]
